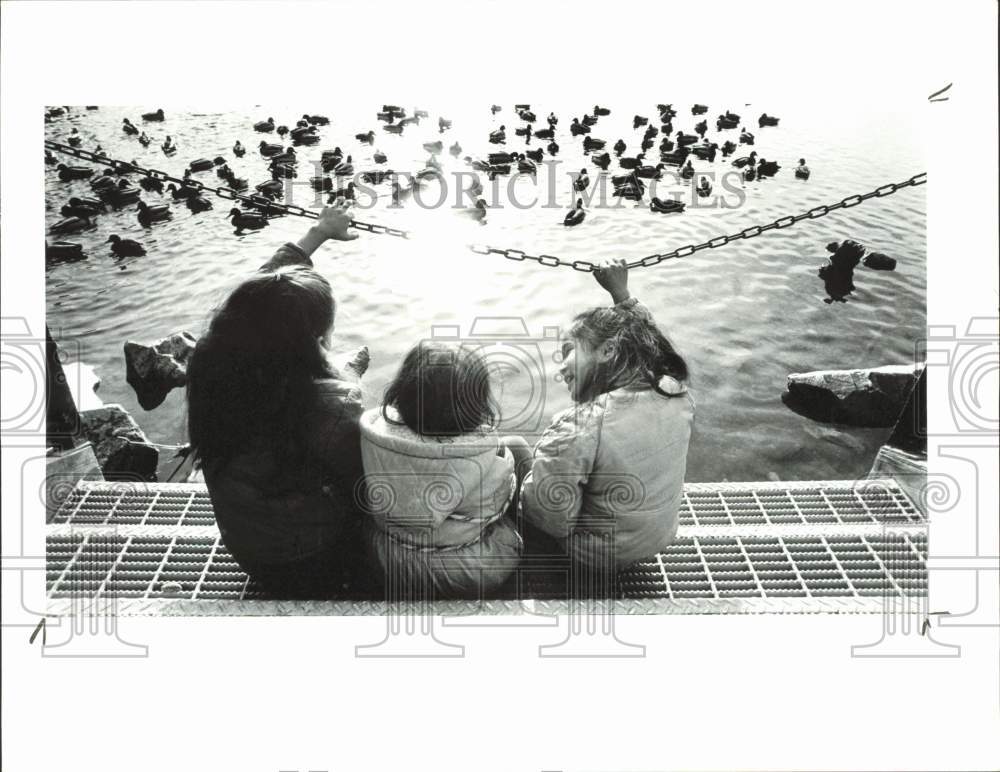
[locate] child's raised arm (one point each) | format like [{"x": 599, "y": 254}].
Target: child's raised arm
[
  {"x": 613, "y": 276},
  {"x": 333, "y": 223}
]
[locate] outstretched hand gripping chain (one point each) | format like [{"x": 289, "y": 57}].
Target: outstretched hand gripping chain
[{"x": 511, "y": 254}]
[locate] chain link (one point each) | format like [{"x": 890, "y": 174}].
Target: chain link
[{"x": 517, "y": 255}]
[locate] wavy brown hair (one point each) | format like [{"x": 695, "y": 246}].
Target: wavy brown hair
[
  {"x": 641, "y": 353},
  {"x": 251, "y": 378}
]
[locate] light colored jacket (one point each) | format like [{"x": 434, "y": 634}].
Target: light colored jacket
[
  {"x": 433, "y": 491},
  {"x": 611, "y": 472}
]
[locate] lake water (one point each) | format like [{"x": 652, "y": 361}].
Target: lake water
[{"x": 744, "y": 315}]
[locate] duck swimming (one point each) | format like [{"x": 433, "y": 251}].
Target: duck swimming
[
  {"x": 700, "y": 128},
  {"x": 801, "y": 171},
  {"x": 478, "y": 211},
  {"x": 201, "y": 165},
  {"x": 535, "y": 155},
  {"x": 198, "y": 204},
  {"x": 499, "y": 137},
  {"x": 495, "y": 109},
  {"x": 443, "y": 125},
  {"x": 704, "y": 187},
  {"x": 268, "y": 149},
  {"x": 728, "y": 148},
  {"x": 128, "y": 128},
  {"x": 685, "y": 139},
  {"x": 582, "y": 181},
  {"x": 238, "y": 149},
  {"x": 347, "y": 194},
  {"x": 367, "y": 138},
  {"x": 247, "y": 220},
  {"x": 598, "y": 110},
  {"x": 552, "y": 147},
  {"x": 155, "y": 213},
  {"x": 747, "y": 160},
  {"x": 63, "y": 252},
  {"x": 576, "y": 215},
  {"x": 455, "y": 150},
  {"x": 157, "y": 116},
  {"x": 699, "y": 109},
  {"x": 281, "y": 131},
  {"x": 125, "y": 247},
  {"x": 767, "y": 120},
  {"x": 638, "y": 121},
  {"x": 317, "y": 120},
  {"x": 767, "y": 168},
  {"x": 590, "y": 144},
  {"x": 687, "y": 171},
  {"x": 619, "y": 147},
  {"x": 72, "y": 225},
  {"x": 144, "y": 140},
  {"x": 380, "y": 158},
  {"x": 434, "y": 148},
  {"x": 631, "y": 163},
  {"x": 184, "y": 191},
  {"x": 151, "y": 185},
  {"x": 73, "y": 172},
  {"x": 123, "y": 194},
  {"x": 746, "y": 138},
  {"x": 576, "y": 128},
  {"x": 602, "y": 161},
  {"x": 552, "y": 120},
  {"x": 666, "y": 206},
  {"x": 264, "y": 126},
  {"x": 74, "y": 139},
  {"x": 650, "y": 172}
]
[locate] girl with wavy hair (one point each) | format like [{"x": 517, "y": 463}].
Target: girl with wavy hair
[{"x": 605, "y": 480}]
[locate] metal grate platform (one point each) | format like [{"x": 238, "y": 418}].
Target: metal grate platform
[
  {"x": 849, "y": 502},
  {"x": 760, "y": 547}
]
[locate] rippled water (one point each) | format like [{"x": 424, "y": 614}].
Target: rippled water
[{"x": 744, "y": 315}]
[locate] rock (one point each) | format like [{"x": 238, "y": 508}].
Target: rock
[
  {"x": 879, "y": 262},
  {"x": 153, "y": 371},
  {"x": 873, "y": 397},
  {"x": 122, "y": 450}
]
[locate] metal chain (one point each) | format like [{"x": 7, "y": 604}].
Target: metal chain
[{"x": 518, "y": 255}]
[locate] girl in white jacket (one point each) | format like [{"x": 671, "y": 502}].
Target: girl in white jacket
[{"x": 440, "y": 481}]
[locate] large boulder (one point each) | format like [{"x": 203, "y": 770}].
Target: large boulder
[
  {"x": 121, "y": 447},
  {"x": 873, "y": 397},
  {"x": 153, "y": 371}
]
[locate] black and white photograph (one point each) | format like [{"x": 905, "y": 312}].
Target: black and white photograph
[{"x": 624, "y": 367}]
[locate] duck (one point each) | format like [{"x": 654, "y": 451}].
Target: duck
[
  {"x": 123, "y": 194},
  {"x": 316, "y": 120},
  {"x": 400, "y": 194},
  {"x": 238, "y": 150},
  {"x": 281, "y": 131},
  {"x": 527, "y": 116},
  {"x": 396, "y": 129},
  {"x": 300, "y": 132},
  {"x": 80, "y": 208},
  {"x": 125, "y": 247},
  {"x": 198, "y": 204},
  {"x": 494, "y": 109},
  {"x": 589, "y": 120},
  {"x": 74, "y": 139},
  {"x": 499, "y": 137},
  {"x": 746, "y": 138},
  {"x": 667, "y": 128},
  {"x": 380, "y": 158},
  {"x": 128, "y": 128},
  {"x": 283, "y": 171},
  {"x": 524, "y": 131},
  {"x": 638, "y": 121},
  {"x": 552, "y": 120},
  {"x": 345, "y": 193},
  {"x": 647, "y": 144},
  {"x": 700, "y": 128},
  {"x": 767, "y": 168},
  {"x": 666, "y": 206},
  {"x": 264, "y": 126},
  {"x": 589, "y": 144},
  {"x": 386, "y": 115},
  {"x": 455, "y": 150},
  {"x": 268, "y": 149},
  {"x": 247, "y": 220},
  {"x": 222, "y": 171},
  {"x": 576, "y": 128},
  {"x": 598, "y": 110},
  {"x": 545, "y": 134},
  {"x": 154, "y": 116},
  {"x": 722, "y": 122},
  {"x": 728, "y": 148},
  {"x": 155, "y": 213},
  {"x": 619, "y": 147},
  {"x": 72, "y": 225},
  {"x": 631, "y": 163},
  {"x": 685, "y": 139},
  {"x": 749, "y": 174},
  {"x": 182, "y": 192},
  {"x": 50, "y": 159},
  {"x": 443, "y": 125},
  {"x": 524, "y": 166},
  {"x": 704, "y": 187},
  {"x": 649, "y": 172},
  {"x": 575, "y": 215},
  {"x": 651, "y": 131},
  {"x": 321, "y": 183},
  {"x": 602, "y": 161},
  {"x": 201, "y": 165},
  {"x": 286, "y": 157},
  {"x": 73, "y": 172},
  {"x": 699, "y": 109},
  {"x": 705, "y": 151},
  {"x": 536, "y": 155},
  {"x": 236, "y": 183},
  {"x": 306, "y": 139},
  {"x": 434, "y": 148},
  {"x": 414, "y": 120},
  {"x": 767, "y": 120},
  {"x": 747, "y": 160},
  {"x": 366, "y": 137},
  {"x": 552, "y": 147},
  {"x": 687, "y": 171},
  {"x": 666, "y": 112},
  {"x": 801, "y": 171},
  {"x": 376, "y": 177},
  {"x": 151, "y": 185},
  {"x": 666, "y": 144},
  {"x": 582, "y": 181},
  {"x": 169, "y": 149},
  {"x": 503, "y": 158},
  {"x": 344, "y": 169},
  {"x": 63, "y": 252},
  {"x": 104, "y": 182}
]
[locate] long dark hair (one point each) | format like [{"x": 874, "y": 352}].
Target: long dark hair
[
  {"x": 641, "y": 353},
  {"x": 441, "y": 389},
  {"x": 251, "y": 376}
]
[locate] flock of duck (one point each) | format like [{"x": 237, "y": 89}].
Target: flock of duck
[{"x": 112, "y": 187}]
